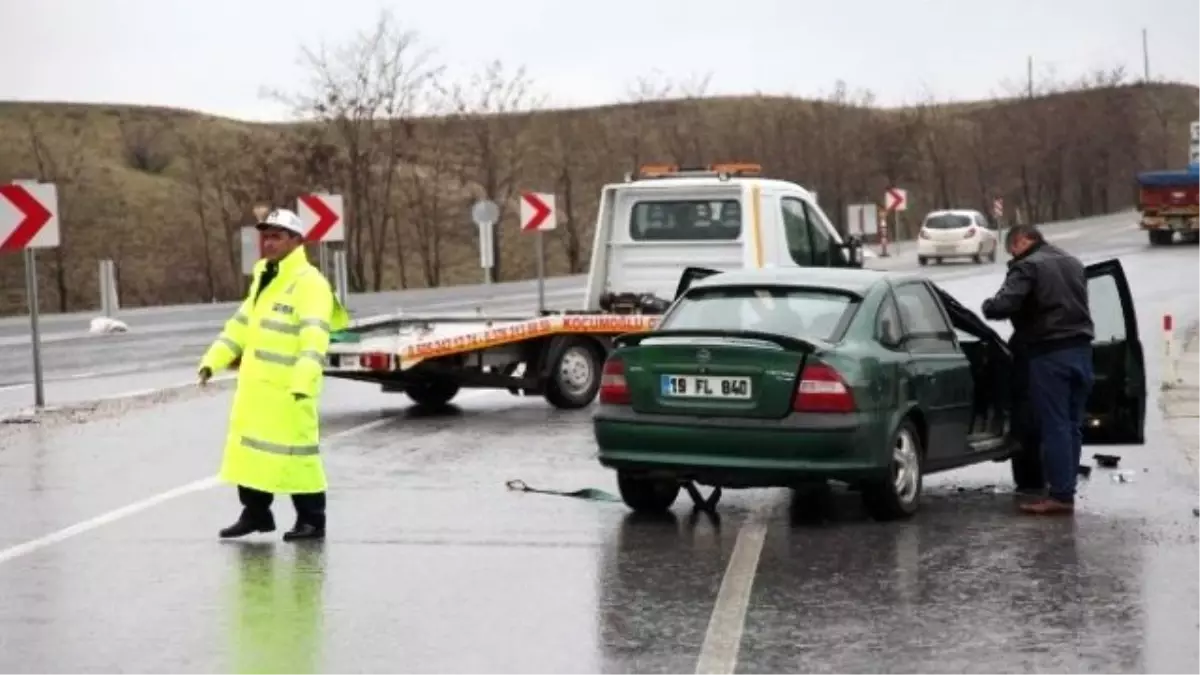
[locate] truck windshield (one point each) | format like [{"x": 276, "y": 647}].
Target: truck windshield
[
  {"x": 947, "y": 221},
  {"x": 686, "y": 220},
  {"x": 795, "y": 312}
]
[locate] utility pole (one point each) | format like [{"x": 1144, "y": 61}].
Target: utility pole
[
  {"x": 1145, "y": 58},
  {"x": 1029, "y": 71}
]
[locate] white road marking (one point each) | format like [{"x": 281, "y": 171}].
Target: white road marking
[
  {"x": 723, "y": 640},
  {"x": 164, "y": 497}
]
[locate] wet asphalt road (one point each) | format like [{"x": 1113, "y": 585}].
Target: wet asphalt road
[{"x": 433, "y": 566}]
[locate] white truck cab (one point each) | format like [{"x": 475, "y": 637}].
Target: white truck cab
[{"x": 722, "y": 217}]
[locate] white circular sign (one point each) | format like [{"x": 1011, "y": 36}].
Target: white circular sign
[{"x": 485, "y": 212}]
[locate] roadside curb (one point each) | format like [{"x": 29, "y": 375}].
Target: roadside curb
[
  {"x": 79, "y": 412},
  {"x": 1180, "y": 400}
]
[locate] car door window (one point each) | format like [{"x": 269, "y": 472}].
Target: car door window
[
  {"x": 924, "y": 324},
  {"x": 798, "y": 231},
  {"x": 822, "y": 242},
  {"x": 888, "y": 328},
  {"x": 1108, "y": 317}
]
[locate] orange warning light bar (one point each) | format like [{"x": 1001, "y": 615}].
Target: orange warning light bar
[
  {"x": 656, "y": 170},
  {"x": 724, "y": 169},
  {"x": 737, "y": 168}
]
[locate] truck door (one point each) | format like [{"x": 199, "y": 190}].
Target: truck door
[
  {"x": 1116, "y": 408},
  {"x": 811, "y": 241}
]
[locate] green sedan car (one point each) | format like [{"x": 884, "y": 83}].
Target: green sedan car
[{"x": 787, "y": 377}]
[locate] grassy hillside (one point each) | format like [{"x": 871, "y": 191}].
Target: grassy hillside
[{"x": 163, "y": 192}]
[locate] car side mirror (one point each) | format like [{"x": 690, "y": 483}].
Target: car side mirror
[{"x": 854, "y": 251}]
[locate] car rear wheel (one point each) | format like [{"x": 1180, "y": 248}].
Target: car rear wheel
[
  {"x": 900, "y": 494},
  {"x": 646, "y": 495}
]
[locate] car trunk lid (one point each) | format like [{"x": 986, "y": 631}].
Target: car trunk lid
[{"x": 715, "y": 373}]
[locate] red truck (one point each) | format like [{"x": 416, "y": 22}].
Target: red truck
[{"x": 1169, "y": 203}]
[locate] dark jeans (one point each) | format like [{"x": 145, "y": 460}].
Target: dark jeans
[
  {"x": 310, "y": 508},
  {"x": 1059, "y": 384}
]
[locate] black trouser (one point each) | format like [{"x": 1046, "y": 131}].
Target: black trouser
[{"x": 310, "y": 508}]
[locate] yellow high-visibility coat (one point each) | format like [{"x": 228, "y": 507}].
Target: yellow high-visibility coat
[{"x": 273, "y": 441}]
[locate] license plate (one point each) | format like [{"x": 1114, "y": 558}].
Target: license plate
[
  {"x": 705, "y": 386},
  {"x": 947, "y": 249}
]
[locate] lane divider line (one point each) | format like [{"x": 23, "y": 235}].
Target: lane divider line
[
  {"x": 193, "y": 487},
  {"x": 723, "y": 639}
]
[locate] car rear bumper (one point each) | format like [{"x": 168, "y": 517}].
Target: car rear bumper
[
  {"x": 928, "y": 248},
  {"x": 741, "y": 452},
  {"x": 1174, "y": 222}
]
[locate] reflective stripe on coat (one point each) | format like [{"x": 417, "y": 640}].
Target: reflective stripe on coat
[{"x": 273, "y": 442}]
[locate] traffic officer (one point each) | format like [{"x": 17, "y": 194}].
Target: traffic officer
[{"x": 278, "y": 337}]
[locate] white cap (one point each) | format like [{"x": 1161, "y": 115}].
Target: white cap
[{"x": 284, "y": 219}]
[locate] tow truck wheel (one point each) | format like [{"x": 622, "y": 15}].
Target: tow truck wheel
[
  {"x": 575, "y": 374},
  {"x": 432, "y": 392}
]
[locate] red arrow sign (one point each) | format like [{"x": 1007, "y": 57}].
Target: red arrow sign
[
  {"x": 34, "y": 217},
  {"x": 326, "y": 217},
  {"x": 541, "y": 211},
  {"x": 895, "y": 199}
]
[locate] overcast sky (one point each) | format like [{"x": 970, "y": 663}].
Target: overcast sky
[{"x": 216, "y": 55}]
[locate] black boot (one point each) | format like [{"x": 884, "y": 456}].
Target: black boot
[
  {"x": 248, "y": 524},
  {"x": 304, "y": 531}
]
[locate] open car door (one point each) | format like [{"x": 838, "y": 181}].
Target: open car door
[
  {"x": 1116, "y": 409},
  {"x": 965, "y": 320},
  {"x": 691, "y": 275}
]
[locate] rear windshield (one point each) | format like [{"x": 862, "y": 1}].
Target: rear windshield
[
  {"x": 947, "y": 222},
  {"x": 783, "y": 311},
  {"x": 686, "y": 220}
]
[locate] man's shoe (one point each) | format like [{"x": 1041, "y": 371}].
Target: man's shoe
[
  {"x": 304, "y": 531},
  {"x": 244, "y": 527},
  {"x": 1048, "y": 507}
]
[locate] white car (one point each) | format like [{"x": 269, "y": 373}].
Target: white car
[{"x": 957, "y": 233}]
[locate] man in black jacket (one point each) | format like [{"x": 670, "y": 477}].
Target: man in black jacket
[{"x": 1045, "y": 296}]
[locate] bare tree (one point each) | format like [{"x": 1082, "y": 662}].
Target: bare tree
[
  {"x": 430, "y": 188},
  {"x": 365, "y": 92},
  {"x": 142, "y": 138},
  {"x": 63, "y": 165},
  {"x": 493, "y": 115},
  {"x": 197, "y": 159}
]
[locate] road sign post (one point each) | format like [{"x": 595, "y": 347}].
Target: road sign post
[
  {"x": 862, "y": 219},
  {"x": 998, "y": 216},
  {"x": 485, "y": 213},
  {"x": 1194, "y": 145},
  {"x": 538, "y": 216},
  {"x": 895, "y": 200},
  {"x": 340, "y": 275},
  {"x": 29, "y": 221},
  {"x": 109, "y": 298}
]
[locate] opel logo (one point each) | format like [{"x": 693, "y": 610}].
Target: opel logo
[{"x": 703, "y": 356}]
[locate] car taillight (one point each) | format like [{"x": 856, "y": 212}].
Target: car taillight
[
  {"x": 970, "y": 233},
  {"x": 375, "y": 361},
  {"x": 822, "y": 389},
  {"x": 613, "y": 388}
]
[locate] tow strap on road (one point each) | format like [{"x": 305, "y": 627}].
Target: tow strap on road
[{"x": 592, "y": 494}]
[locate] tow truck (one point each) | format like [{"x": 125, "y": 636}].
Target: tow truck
[
  {"x": 653, "y": 232},
  {"x": 1169, "y": 203}
]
